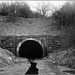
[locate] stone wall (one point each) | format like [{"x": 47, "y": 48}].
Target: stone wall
[{"x": 11, "y": 42}]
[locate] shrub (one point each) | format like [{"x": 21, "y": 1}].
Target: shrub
[{"x": 65, "y": 16}]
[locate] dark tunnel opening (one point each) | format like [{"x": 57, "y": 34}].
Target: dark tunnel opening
[{"x": 31, "y": 49}]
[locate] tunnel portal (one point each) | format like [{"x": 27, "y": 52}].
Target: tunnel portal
[{"x": 31, "y": 49}]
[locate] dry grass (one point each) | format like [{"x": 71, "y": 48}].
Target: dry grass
[{"x": 30, "y": 26}]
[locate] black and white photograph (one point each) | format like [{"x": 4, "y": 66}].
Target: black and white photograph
[{"x": 37, "y": 37}]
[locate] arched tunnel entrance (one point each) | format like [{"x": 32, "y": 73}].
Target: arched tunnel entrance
[{"x": 30, "y": 49}]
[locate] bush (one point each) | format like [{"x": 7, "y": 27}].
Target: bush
[
  {"x": 16, "y": 8},
  {"x": 25, "y": 12},
  {"x": 65, "y": 16},
  {"x": 37, "y": 15}
]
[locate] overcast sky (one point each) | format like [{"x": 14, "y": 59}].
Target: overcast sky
[{"x": 57, "y": 4}]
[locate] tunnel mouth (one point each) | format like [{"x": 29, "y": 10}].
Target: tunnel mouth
[{"x": 30, "y": 49}]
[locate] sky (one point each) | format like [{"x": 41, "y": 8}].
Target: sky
[{"x": 57, "y": 4}]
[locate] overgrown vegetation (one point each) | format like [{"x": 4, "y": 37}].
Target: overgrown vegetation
[
  {"x": 22, "y": 9},
  {"x": 17, "y": 9},
  {"x": 65, "y": 16},
  {"x": 65, "y": 21}
]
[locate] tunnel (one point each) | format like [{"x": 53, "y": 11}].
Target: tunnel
[{"x": 31, "y": 49}]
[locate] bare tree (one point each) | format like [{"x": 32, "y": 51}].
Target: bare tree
[{"x": 44, "y": 8}]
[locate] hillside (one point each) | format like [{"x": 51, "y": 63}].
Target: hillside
[{"x": 30, "y": 26}]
